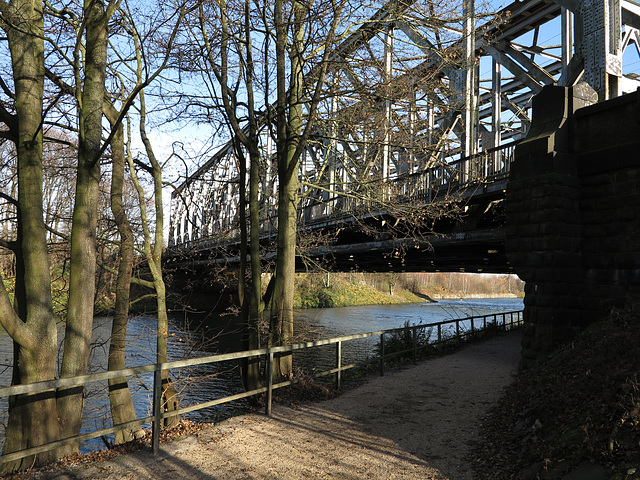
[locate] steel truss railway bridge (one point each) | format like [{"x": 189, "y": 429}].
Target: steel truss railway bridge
[{"x": 450, "y": 103}]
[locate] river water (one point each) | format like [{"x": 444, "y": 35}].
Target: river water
[{"x": 197, "y": 335}]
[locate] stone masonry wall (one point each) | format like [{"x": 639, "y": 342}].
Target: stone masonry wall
[{"x": 573, "y": 203}]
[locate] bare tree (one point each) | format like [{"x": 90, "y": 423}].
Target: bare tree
[{"x": 75, "y": 66}]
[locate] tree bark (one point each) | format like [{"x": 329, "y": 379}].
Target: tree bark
[
  {"x": 85, "y": 216},
  {"x": 252, "y": 306},
  {"x": 289, "y": 123},
  {"x": 153, "y": 254},
  {"x": 32, "y": 418},
  {"x": 122, "y": 409}
]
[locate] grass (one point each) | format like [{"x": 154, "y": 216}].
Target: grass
[{"x": 317, "y": 294}]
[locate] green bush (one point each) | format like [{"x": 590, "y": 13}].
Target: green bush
[{"x": 402, "y": 340}]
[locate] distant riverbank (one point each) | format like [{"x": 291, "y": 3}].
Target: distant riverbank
[
  {"x": 452, "y": 296},
  {"x": 346, "y": 290}
]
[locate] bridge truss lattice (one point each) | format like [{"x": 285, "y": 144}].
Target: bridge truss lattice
[{"x": 447, "y": 104}]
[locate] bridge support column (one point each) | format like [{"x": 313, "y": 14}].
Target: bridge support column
[{"x": 543, "y": 215}]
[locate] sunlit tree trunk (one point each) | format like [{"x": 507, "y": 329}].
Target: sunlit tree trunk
[
  {"x": 284, "y": 23},
  {"x": 289, "y": 124},
  {"x": 121, "y": 403},
  {"x": 251, "y": 294},
  {"x": 153, "y": 253},
  {"x": 85, "y": 216},
  {"x": 30, "y": 322}
]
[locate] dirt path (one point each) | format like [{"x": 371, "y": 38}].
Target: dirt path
[{"x": 413, "y": 423}]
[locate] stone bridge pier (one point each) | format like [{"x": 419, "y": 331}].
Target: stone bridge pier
[{"x": 573, "y": 214}]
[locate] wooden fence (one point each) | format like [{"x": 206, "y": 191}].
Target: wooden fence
[{"x": 465, "y": 328}]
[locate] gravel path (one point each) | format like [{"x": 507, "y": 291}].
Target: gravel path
[{"x": 413, "y": 423}]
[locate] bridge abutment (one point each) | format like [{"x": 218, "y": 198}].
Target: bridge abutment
[{"x": 573, "y": 201}]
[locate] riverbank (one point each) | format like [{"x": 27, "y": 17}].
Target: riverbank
[
  {"x": 416, "y": 422},
  {"x": 358, "y": 289},
  {"x": 470, "y": 296}
]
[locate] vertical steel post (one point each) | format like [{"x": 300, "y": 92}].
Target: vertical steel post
[
  {"x": 496, "y": 100},
  {"x": 338, "y": 364},
  {"x": 413, "y": 166},
  {"x": 566, "y": 23},
  {"x": 382, "y": 354},
  {"x": 334, "y": 154},
  {"x": 157, "y": 409},
  {"x": 269, "y": 383},
  {"x": 388, "y": 72},
  {"x": 468, "y": 7}
]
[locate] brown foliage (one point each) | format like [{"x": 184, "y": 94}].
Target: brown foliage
[{"x": 582, "y": 406}]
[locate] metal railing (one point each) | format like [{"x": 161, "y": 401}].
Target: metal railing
[
  {"x": 486, "y": 167},
  {"x": 464, "y": 328}
]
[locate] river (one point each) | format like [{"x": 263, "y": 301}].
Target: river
[{"x": 219, "y": 335}]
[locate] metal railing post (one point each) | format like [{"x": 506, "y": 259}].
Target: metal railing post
[
  {"x": 157, "y": 409},
  {"x": 382, "y": 354},
  {"x": 338, "y": 364},
  {"x": 415, "y": 345},
  {"x": 269, "y": 383}
]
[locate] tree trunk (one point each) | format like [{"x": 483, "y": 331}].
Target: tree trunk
[
  {"x": 289, "y": 124},
  {"x": 252, "y": 304},
  {"x": 83, "y": 235},
  {"x": 122, "y": 409},
  {"x": 153, "y": 255},
  {"x": 256, "y": 305},
  {"x": 32, "y": 418},
  {"x": 281, "y": 331},
  {"x": 169, "y": 396},
  {"x": 250, "y": 292}
]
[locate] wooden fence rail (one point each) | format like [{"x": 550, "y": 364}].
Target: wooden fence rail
[{"x": 464, "y": 328}]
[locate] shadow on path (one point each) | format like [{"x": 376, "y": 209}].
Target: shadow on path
[{"x": 413, "y": 423}]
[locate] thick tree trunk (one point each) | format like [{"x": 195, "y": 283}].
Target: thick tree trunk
[
  {"x": 281, "y": 331},
  {"x": 83, "y": 236},
  {"x": 169, "y": 395},
  {"x": 289, "y": 124},
  {"x": 32, "y": 418},
  {"x": 256, "y": 305},
  {"x": 250, "y": 291}
]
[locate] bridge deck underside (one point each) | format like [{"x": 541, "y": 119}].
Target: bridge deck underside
[{"x": 473, "y": 241}]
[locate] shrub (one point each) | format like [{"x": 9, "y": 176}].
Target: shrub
[{"x": 402, "y": 340}]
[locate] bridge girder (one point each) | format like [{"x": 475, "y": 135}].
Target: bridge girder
[{"x": 421, "y": 132}]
